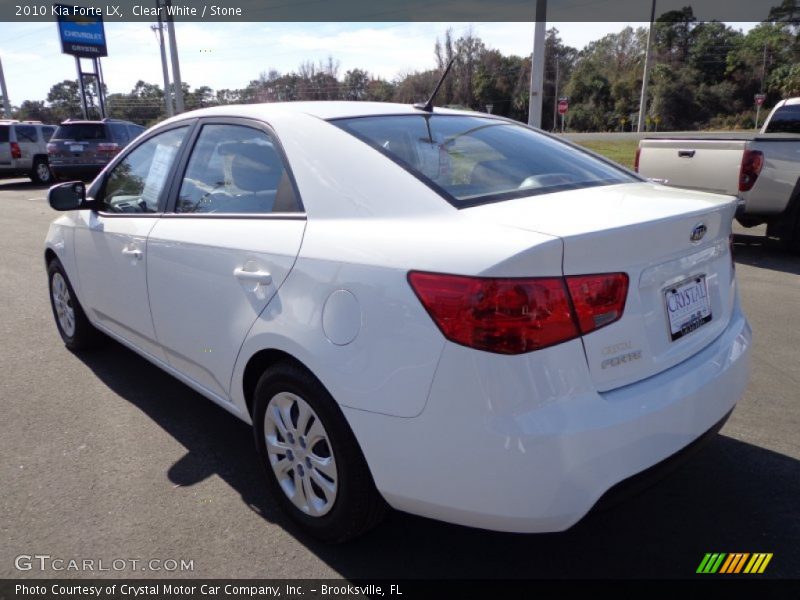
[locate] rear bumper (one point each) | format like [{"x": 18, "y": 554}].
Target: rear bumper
[
  {"x": 526, "y": 444},
  {"x": 75, "y": 171}
]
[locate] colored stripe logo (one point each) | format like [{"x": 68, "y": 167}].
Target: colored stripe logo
[{"x": 736, "y": 562}]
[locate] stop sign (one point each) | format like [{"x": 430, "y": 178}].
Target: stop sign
[{"x": 563, "y": 105}]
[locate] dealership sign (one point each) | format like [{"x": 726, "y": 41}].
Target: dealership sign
[{"x": 81, "y": 31}]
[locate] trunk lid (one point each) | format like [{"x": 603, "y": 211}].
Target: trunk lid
[{"x": 643, "y": 230}]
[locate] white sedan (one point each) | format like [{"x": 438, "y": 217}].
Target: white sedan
[{"x": 445, "y": 312}]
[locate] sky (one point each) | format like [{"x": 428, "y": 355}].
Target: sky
[{"x": 230, "y": 55}]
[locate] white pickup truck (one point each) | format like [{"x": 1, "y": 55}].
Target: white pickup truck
[{"x": 762, "y": 169}]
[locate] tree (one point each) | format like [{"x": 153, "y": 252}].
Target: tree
[{"x": 65, "y": 100}]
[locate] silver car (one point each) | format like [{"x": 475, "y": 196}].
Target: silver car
[{"x": 23, "y": 150}]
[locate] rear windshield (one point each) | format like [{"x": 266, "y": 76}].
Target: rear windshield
[
  {"x": 785, "y": 120},
  {"x": 3, "y": 133},
  {"x": 472, "y": 159},
  {"x": 80, "y": 132}
]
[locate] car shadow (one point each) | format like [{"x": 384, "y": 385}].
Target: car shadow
[
  {"x": 765, "y": 253},
  {"x": 730, "y": 497},
  {"x": 14, "y": 185}
]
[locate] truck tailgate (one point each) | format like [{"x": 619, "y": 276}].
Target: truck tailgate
[{"x": 710, "y": 165}]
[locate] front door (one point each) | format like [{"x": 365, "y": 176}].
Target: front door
[{"x": 111, "y": 243}]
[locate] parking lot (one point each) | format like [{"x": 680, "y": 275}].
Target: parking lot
[{"x": 104, "y": 456}]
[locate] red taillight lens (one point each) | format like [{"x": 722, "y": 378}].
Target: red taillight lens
[
  {"x": 507, "y": 316},
  {"x": 512, "y": 316},
  {"x": 15, "y": 150},
  {"x": 51, "y": 148},
  {"x": 108, "y": 148},
  {"x": 636, "y": 160},
  {"x": 752, "y": 163},
  {"x": 598, "y": 299}
]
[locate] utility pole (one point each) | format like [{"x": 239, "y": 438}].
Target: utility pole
[
  {"x": 159, "y": 31},
  {"x": 176, "y": 68},
  {"x": 555, "y": 96},
  {"x": 646, "y": 75},
  {"x": 537, "y": 65},
  {"x": 6, "y": 101},
  {"x": 763, "y": 76}
]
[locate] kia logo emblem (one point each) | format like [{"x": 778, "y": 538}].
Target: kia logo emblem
[{"x": 698, "y": 232}]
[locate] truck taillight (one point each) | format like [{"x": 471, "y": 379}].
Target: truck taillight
[
  {"x": 752, "y": 163},
  {"x": 636, "y": 159},
  {"x": 52, "y": 148},
  {"x": 513, "y": 316},
  {"x": 15, "y": 150}
]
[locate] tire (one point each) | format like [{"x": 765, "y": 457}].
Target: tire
[
  {"x": 335, "y": 499},
  {"x": 41, "y": 172},
  {"x": 71, "y": 321}
]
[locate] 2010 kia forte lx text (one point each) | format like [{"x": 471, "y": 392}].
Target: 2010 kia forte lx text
[{"x": 442, "y": 311}]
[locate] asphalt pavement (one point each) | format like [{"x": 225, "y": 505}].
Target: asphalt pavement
[{"x": 103, "y": 457}]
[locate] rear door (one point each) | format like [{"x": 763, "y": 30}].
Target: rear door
[
  {"x": 219, "y": 255},
  {"x": 5, "y": 146},
  {"x": 77, "y": 144},
  {"x": 28, "y": 140}
]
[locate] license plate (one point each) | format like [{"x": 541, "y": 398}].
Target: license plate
[
  {"x": 688, "y": 307},
  {"x": 76, "y": 148}
]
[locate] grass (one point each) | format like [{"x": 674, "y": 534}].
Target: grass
[{"x": 622, "y": 151}]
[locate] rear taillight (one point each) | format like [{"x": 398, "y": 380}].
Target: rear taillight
[
  {"x": 109, "y": 148},
  {"x": 513, "y": 316},
  {"x": 52, "y": 148},
  {"x": 15, "y": 150},
  {"x": 598, "y": 299},
  {"x": 636, "y": 159},
  {"x": 752, "y": 163}
]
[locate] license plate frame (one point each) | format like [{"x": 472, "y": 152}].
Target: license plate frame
[
  {"x": 696, "y": 312},
  {"x": 76, "y": 147}
]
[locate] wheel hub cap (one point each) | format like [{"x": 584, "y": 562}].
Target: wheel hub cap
[{"x": 300, "y": 454}]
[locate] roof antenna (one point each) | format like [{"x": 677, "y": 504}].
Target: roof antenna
[{"x": 428, "y": 106}]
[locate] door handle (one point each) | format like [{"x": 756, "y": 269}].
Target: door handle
[
  {"x": 263, "y": 277},
  {"x": 686, "y": 153},
  {"x": 133, "y": 252}
]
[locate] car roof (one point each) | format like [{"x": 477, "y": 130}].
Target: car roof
[{"x": 321, "y": 109}]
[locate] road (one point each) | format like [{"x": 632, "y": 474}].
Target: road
[{"x": 103, "y": 456}]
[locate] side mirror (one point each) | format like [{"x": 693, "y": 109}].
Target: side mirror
[{"x": 68, "y": 196}]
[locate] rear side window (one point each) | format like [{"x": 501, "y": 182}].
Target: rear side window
[
  {"x": 81, "y": 132},
  {"x": 236, "y": 170},
  {"x": 785, "y": 120},
  {"x": 47, "y": 133},
  {"x": 120, "y": 133},
  {"x": 3, "y": 133},
  {"x": 472, "y": 160},
  {"x": 26, "y": 133}
]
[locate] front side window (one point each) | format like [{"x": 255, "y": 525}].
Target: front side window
[
  {"x": 235, "y": 169},
  {"x": 473, "y": 159},
  {"x": 136, "y": 183}
]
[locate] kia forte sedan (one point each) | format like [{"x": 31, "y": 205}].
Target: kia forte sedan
[{"x": 443, "y": 312}]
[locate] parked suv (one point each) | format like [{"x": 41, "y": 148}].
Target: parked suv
[
  {"x": 23, "y": 149},
  {"x": 80, "y": 149}
]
